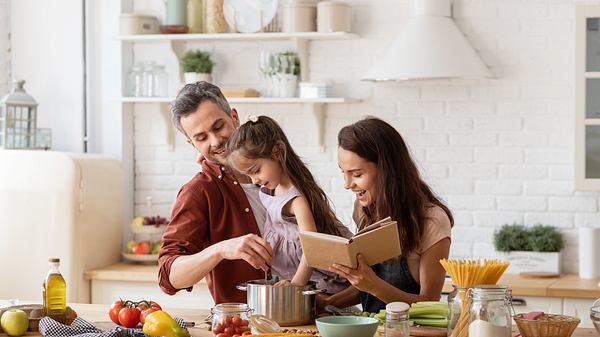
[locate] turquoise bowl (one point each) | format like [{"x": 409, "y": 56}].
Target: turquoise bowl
[{"x": 347, "y": 326}]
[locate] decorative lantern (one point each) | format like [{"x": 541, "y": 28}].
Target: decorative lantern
[{"x": 18, "y": 114}]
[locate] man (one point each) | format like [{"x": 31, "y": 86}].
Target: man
[{"x": 215, "y": 222}]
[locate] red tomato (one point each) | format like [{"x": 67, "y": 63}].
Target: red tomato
[
  {"x": 245, "y": 322},
  {"x": 238, "y": 330},
  {"x": 113, "y": 312},
  {"x": 227, "y": 321},
  {"x": 141, "y": 248},
  {"x": 129, "y": 317},
  {"x": 222, "y": 334},
  {"x": 246, "y": 333},
  {"x": 236, "y": 335},
  {"x": 229, "y": 330},
  {"x": 145, "y": 313},
  {"x": 236, "y": 320},
  {"x": 244, "y": 328},
  {"x": 155, "y": 305}
]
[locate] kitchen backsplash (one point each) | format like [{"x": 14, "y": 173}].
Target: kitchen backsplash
[{"x": 498, "y": 151}]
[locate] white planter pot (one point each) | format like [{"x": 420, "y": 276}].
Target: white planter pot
[
  {"x": 521, "y": 261},
  {"x": 196, "y": 77}
]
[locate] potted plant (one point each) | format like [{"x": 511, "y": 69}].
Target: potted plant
[
  {"x": 197, "y": 66},
  {"x": 529, "y": 249}
]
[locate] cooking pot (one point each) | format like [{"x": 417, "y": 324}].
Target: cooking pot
[{"x": 288, "y": 305}]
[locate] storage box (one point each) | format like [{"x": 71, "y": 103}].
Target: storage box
[{"x": 133, "y": 24}]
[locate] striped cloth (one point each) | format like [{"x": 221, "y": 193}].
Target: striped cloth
[{"x": 83, "y": 328}]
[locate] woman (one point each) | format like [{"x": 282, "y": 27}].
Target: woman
[{"x": 378, "y": 168}]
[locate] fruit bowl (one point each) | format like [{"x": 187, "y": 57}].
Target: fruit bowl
[
  {"x": 148, "y": 229},
  {"x": 142, "y": 258}
]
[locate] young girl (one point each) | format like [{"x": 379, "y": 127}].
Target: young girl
[
  {"x": 378, "y": 168},
  {"x": 293, "y": 199}
]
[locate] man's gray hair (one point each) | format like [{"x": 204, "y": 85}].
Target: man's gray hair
[{"x": 191, "y": 96}]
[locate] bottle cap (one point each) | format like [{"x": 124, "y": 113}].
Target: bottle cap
[
  {"x": 397, "y": 307},
  {"x": 54, "y": 259}
]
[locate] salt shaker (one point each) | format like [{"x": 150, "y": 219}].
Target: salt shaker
[{"x": 396, "y": 320}]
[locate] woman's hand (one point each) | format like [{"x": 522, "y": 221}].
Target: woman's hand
[{"x": 362, "y": 278}]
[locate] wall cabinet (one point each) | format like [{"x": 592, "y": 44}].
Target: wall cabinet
[{"x": 587, "y": 98}]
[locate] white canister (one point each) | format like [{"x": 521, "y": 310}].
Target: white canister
[
  {"x": 132, "y": 24},
  {"x": 333, "y": 16},
  {"x": 299, "y": 17}
]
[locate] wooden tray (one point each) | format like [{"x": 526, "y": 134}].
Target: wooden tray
[{"x": 428, "y": 331}]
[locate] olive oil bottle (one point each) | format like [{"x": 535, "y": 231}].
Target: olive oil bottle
[{"x": 55, "y": 293}]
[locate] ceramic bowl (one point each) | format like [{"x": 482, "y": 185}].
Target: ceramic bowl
[{"x": 347, "y": 326}]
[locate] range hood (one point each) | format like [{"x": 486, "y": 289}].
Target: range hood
[{"x": 430, "y": 47}]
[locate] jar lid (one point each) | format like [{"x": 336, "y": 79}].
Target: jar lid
[
  {"x": 53, "y": 259},
  {"x": 333, "y": 3},
  {"x": 264, "y": 324},
  {"x": 397, "y": 307}
]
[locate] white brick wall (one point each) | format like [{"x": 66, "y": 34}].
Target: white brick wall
[{"x": 499, "y": 151}]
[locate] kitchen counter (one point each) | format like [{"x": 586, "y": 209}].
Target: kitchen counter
[
  {"x": 567, "y": 285},
  {"x": 98, "y": 315}
]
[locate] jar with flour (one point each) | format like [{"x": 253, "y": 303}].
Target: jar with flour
[{"x": 490, "y": 311}]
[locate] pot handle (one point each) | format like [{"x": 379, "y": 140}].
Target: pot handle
[
  {"x": 242, "y": 286},
  {"x": 312, "y": 292}
]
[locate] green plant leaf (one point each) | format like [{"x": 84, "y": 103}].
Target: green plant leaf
[{"x": 196, "y": 61}]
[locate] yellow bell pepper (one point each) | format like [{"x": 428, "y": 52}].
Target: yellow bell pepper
[{"x": 159, "y": 323}]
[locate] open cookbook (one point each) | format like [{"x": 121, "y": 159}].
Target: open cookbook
[{"x": 377, "y": 242}]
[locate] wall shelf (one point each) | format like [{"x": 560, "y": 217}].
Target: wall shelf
[
  {"x": 248, "y": 100},
  {"x": 238, "y": 37}
]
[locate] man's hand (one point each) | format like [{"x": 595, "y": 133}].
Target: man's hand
[{"x": 250, "y": 248}]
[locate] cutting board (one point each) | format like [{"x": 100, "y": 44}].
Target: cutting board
[{"x": 428, "y": 331}]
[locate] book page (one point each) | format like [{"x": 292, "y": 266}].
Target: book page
[{"x": 378, "y": 245}]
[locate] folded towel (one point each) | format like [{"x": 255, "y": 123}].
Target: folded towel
[{"x": 83, "y": 328}]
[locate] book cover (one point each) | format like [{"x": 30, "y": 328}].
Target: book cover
[{"x": 377, "y": 242}]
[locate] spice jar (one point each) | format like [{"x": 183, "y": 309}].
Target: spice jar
[
  {"x": 230, "y": 318},
  {"x": 489, "y": 312},
  {"x": 396, "y": 320},
  {"x": 457, "y": 306}
]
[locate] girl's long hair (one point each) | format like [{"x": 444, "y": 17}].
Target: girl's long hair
[
  {"x": 401, "y": 193},
  {"x": 259, "y": 139}
]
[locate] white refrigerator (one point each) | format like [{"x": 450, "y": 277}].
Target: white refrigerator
[{"x": 55, "y": 204}]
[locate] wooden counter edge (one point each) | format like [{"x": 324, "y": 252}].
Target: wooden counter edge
[{"x": 125, "y": 272}]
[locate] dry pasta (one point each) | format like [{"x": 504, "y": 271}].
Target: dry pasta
[{"x": 467, "y": 274}]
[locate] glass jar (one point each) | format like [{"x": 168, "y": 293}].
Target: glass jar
[
  {"x": 160, "y": 82},
  {"x": 458, "y": 305},
  {"x": 148, "y": 79},
  {"x": 230, "y": 318},
  {"x": 489, "y": 312},
  {"x": 135, "y": 82},
  {"x": 396, "y": 320}
]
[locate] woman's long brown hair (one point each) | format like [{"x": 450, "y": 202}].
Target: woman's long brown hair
[
  {"x": 259, "y": 139},
  {"x": 401, "y": 193}
]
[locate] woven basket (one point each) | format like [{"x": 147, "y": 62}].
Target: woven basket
[{"x": 547, "y": 325}]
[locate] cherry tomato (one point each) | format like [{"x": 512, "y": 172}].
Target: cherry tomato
[
  {"x": 236, "y": 335},
  {"x": 245, "y": 322},
  {"x": 218, "y": 328},
  {"x": 155, "y": 305},
  {"x": 222, "y": 334},
  {"x": 246, "y": 333},
  {"x": 236, "y": 320},
  {"x": 229, "y": 330},
  {"x": 129, "y": 317},
  {"x": 113, "y": 312},
  {"x": 145, "y": 313}
]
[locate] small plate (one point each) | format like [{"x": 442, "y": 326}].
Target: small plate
[
  {"x": 245, "y": 15},
  {"x": 146, "y": 258}
]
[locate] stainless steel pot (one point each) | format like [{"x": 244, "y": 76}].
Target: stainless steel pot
[{"x": 286, "y": 305}]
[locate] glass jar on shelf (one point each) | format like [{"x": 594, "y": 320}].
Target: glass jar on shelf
[
  {"x": 160, "y": 81},
  {"x": 490, "y": 311},
  {"x": 148, "y": 79},
  {"x": 230, "y": 318},
  {"x": 135, "y": 82}
]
